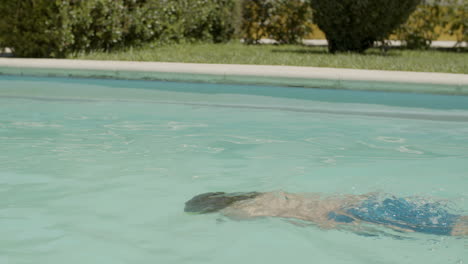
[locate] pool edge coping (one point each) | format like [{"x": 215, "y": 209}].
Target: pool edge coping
[{"x": 296, "y": 76}]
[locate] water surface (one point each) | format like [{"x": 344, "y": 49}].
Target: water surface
[{"x": 97, "y": 171}]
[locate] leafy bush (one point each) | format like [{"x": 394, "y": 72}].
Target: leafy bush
[
  {"x": 255, "y": 17},
  {"x": 459, "y": 21},
  {"x": 430, "y": 20},
  {"x": 288, "y": 22},
  {"x": 206, "y": 20},
  {"x": 421, "y": 28},
  {"x": 34, "y": 28},
  {"x": 55, "y": 28},
  {"x": 354, "y": 25},
  {"x": 97, "y": 24},
  {"x": 285, "y": 21},
  {"x": 225, "y": 20}
]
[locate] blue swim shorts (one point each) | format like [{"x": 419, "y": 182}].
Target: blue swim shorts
[{"x": 429, "y": 218}]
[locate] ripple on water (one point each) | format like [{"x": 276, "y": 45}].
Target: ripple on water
[
  {"x": 324, "y": 142},
  {"x": 251, "y": 140},
  {"x": 76, "y": 118},
  {"x": 35, "y": 125},
  {"x": 140, "y": 126},
  {"x": 391, "y": 139},
  {"x": 200, "y": 149},
  {"x": 370, "y": 145},
  {"x": 406, "y": 149},
  {"x": 329, "y": 161}
]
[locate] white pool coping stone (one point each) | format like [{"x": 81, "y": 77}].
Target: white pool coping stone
[{"x": 312, "y": 77}]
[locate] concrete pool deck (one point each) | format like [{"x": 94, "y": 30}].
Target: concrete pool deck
[{"x": 311, "y": 77}]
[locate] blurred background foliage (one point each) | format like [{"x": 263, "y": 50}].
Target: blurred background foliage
[
  {"x": 355, "y": 25},
  {"x": 55, "y": 28},
  {"x": 433, "y": 20},
  {"x": 286, "y": 21}
]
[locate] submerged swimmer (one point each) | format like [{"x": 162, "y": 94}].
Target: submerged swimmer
[{"x": 332, "y": 212}]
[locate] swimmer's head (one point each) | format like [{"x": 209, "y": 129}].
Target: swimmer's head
[{"x": 214, "y": 201}]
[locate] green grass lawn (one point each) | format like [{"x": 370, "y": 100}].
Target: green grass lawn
[{"x": 292, "y": 55}]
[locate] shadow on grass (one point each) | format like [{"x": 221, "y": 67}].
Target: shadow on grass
[
  {"x": 301, "y": 51},
  {"x": 388, "y": 52},
  {"x": 441, "y": 49},
  {"x": 324, "y": 51}
]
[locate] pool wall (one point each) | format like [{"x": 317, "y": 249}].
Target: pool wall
[{"x": 309, "y": 77}]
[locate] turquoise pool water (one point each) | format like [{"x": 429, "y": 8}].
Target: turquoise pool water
[{"x": 97, "y": 171}]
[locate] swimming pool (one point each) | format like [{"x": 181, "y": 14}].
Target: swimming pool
[{"x": 97, "y": 171}]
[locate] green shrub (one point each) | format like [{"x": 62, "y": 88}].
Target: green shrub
[
  {"x": 225, "y": 20},
  {"x": 55, "y": 28},
  {"x": 205, "y": 20},
  {"x": 285, "y": 21},
  {"x": 431, "y": 20},
  {"x": 35, "y": 28},
  {"x": 255, "y": 17},
  {"x": 97, "y": 24},
  {"x": 459, "y": 21},
  {"x": 288, "y": 22},
  {"x": 354, "y": 25},
  {"x": 423, "y": 26}
]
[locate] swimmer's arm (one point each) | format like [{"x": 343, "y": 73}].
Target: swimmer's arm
[
  {"x": 238, "y": 215},
  {"x": 355, "y": 227}
]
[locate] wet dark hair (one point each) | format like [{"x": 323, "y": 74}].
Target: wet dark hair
[{"x": 215, "y": 201}]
